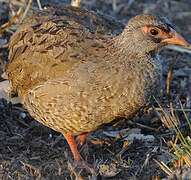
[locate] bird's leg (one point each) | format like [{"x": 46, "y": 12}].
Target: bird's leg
[
  {"x": 73, "y": 147},
  {"x": 80, "y": 162},
  {"x": 81, "y": 139}
]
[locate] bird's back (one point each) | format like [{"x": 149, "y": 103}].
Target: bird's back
[{"x": 47, "y": 45}]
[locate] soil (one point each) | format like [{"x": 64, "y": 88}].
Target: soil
[{"x": 28, "y": 150}]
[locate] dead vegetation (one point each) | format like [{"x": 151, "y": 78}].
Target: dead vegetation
[{"x": 153, "y": 144}]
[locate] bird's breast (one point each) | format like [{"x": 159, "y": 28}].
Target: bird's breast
[{"x": 89, "y": 96}]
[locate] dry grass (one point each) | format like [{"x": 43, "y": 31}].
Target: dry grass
[{"x": 180, "y": 148}]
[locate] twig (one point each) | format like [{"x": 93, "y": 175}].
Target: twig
[
  {"x": 168, "y": 81},
  {"x": 72, "y": 169},
  {"x": 26, "y": 10},
  {"x": 12, "y": 20},
  {"x": 175, "y": 109},
  {"x": 175, "y": 142},
  {"x": 146, "y": 127},
  {"x": 39, "y": 5},
  {"x": 180, "y": 48},
  {"x": 164, "y": 167},
  {"x": 18, "y": 3}
]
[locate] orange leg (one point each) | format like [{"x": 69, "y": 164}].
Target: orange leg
[
  {"x": 73, "y": 147},
  {"x": 80, "y": 162},
  {"x": 81, "y": 139}
]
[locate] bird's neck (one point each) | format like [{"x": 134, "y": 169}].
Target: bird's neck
[
  {"x": 123, "y": 48},
  {"x": 124, "y": 55}
]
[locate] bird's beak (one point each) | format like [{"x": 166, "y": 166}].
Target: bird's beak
[{"x": 175, "y": 38}]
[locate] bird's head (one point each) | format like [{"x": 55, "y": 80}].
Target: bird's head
[{"x": 147, "y": 33}]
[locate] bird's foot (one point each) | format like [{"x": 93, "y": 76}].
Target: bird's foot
[
  {"x": 83, "y": 164},
  {"x": 73, "y": 167},
  {"x": 78, "y": 159}
]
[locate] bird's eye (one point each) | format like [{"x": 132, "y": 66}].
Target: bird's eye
[{"x": 154, "y": 32}]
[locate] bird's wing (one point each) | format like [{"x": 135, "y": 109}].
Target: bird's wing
[
  {"x": 49, "y": 46},
  {"x": 95, "y": 22}
]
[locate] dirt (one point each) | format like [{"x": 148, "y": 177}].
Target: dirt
[{"x": 28, "y": 150}]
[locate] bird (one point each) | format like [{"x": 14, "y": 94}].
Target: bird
[{"x": 74, "y": 75}]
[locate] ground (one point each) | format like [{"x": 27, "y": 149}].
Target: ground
[{"x": 29, "y": 150}]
